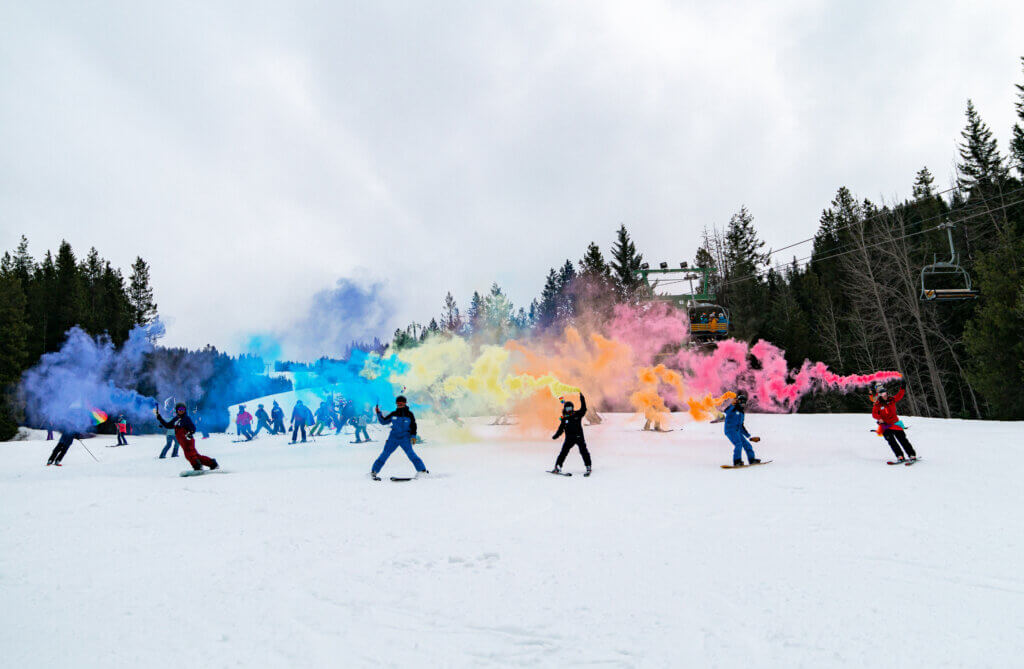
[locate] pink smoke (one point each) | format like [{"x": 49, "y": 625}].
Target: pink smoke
[
  {"x": 772, "y": 386},
  {"x": 648, "y": 329}
]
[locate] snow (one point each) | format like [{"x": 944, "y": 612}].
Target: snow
[{"x": 826, "y": 557}]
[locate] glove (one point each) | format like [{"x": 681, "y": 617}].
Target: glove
[{"x": 755, "y": 439}]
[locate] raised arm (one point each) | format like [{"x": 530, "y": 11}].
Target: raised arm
[{"x": 582, "y": 411}]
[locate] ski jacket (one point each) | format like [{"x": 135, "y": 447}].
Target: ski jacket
[
  {"x": 403, "y": 423},
  {"x": 243, "y": 418},
  {"x": 277, "y": 412},
  {"x": 571, "y": 424},
  {"x": 302, "y": 412},
  {"x": 324, "y": 414},
  {"x": 885, "y": 410},
  {"x": 182, "y": 425},
  {"x": 122, "y": 427},
  {"x": 734, "y": 421},
  {"x": 261, "y": 416}
]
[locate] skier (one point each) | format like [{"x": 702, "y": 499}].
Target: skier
[
  {"x": 61, "y": 449},
  {"x": 324, "y": 415},
  {"x": 170, "y": 439},
  {"x": 736, "y": 431},
  {"x": 360, "y": 422},
  {"x": 301, "y": 417},
  {"x": 122, "y": 431},
  {"x": 571, "y": 424},
  {"x": 403, "y": 435},
  {"x": 244, "y": 423},
  {"x": 889, "y": 424},
  {"x": 184, "y": 432},
  {"x": 263, "y": 420},
  {"x": 277, "y": 415}
]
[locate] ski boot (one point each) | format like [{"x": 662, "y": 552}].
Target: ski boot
[
  {"x": 755, "y": 461},
  {"x": 737, "y": 463},
  {"x": 214, "y": 465},
  {"x": 587, "y": 473},
  {"x": 373, "y": 475}
]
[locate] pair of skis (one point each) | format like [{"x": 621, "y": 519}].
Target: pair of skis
[{"x": 903, "y": 461}]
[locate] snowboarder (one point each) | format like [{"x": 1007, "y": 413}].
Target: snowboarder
[
  {"x": 263, "y": 420},
  {"x": 61, "y": 449},
  {"x": 403, "y": 435},
  {"x": 244, "y": 423},
  {"x": 571, "y": 425},
  {"x": 277, "y": 415},
  {"x": 889, "y": 424},
  {"x": 122, "y": 431},
  {"x": 184, "y": 432},
  {"x": 301, "y": 417},
  {"x": 736, "y": 431}
]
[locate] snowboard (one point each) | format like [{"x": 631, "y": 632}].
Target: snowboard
[
  {"x": 662, "y": 431},
  {"x": 763, "y": 462},
  {"x": 200, "y": 472},
  {"x": 552, "y": 471},
  {"x": 403, "y": 478}
]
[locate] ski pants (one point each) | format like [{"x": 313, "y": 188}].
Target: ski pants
[
  {"x": 361, "y": 429},
  {"x": 318, "y": 428},
  {"x": 299, "y": 425},
  {"x": 405, "y": 444},
  {"x": 246, "y": 431},
  {"x": 121, "y": 440},
  {"x": 896, "y": 438},
  {"x": 197, "y": 461},
  {"x": 567, "y": 446},
  {"x": 279, "y": 427},
  {"x": 60, "y": 450},
  {"x": 740, "y": 444},
  {"x": 171, "y": 441},
  {"x": 263, "y": 424}
]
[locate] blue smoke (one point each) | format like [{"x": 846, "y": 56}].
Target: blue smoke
[{"x": 89, "y": 373}]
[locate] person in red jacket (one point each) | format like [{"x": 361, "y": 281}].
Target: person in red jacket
[
  {"x": 184, "y": 432},
  {"x": 889, "y": 424}
]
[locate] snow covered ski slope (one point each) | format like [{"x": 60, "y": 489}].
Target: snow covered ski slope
[{"x": 296, "y": 558}]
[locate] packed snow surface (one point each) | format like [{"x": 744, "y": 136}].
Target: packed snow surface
[{"x": 826, "y": 557}]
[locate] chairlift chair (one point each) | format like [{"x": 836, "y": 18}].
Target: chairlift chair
[{"x": 933, "y": 276}]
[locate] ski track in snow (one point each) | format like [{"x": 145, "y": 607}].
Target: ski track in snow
[{"x": 826, "y": 557}]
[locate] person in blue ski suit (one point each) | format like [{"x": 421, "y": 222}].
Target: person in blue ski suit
[
  {"x": 301, "y": 417},
  {"x": 262, "y": 421},
  {"x": 736, "y": 431},
  {"x": 403, "y": 435}
]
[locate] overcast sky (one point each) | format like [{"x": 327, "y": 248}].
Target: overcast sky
[{"x": 256, "y": 152}]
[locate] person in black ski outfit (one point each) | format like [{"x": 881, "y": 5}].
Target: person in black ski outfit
[
  {"x": 571, "y": 425},
  {"x": 61, "y": 449},
  {"x": 277, "y": 415}
]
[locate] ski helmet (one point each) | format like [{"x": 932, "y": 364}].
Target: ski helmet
[
  {"x": 567, "y": 407},
  {"x": 741, "y": 399},
  {"x": 401, "y": 398},
  {"x": 880, "y": 388},
  {"x": 180, "y": 407}
]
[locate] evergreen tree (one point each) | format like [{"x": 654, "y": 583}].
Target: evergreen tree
[
  {"x": 1017, "y": 142},
  {"x": 566, "y": 298},
  {"x": 994, "y": 337},
  {"x": 140, "y": 295},
  {"x": 745, "y": 293},
  {"x": 593, "y": 265},
  {"x": 498, "y": 312},
  {"x": 625, "y": 262},
  {"x": 476, "y": 313},
  {"x": 547, "y": 308},
  {"x": 69, "y": 303},
  {"x": 982, "y": 167},
  {"x": 451, "y": 320},
  {"x": 923, "y": 184},
  {"x": 13, "y": 347}
]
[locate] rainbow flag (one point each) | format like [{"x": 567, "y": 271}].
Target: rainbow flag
[{"x": 99, "y": 416}]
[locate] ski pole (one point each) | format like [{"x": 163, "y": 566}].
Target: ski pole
[{"x": 86, "y": 449}]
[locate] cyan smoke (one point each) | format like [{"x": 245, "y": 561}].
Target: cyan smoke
[{"x": 89, "y": 373}]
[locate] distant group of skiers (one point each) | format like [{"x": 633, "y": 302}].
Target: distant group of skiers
[{"x": 331, "y": 414}]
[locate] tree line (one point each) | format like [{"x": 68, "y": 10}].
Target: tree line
[{"x": 854, "y": 301}]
